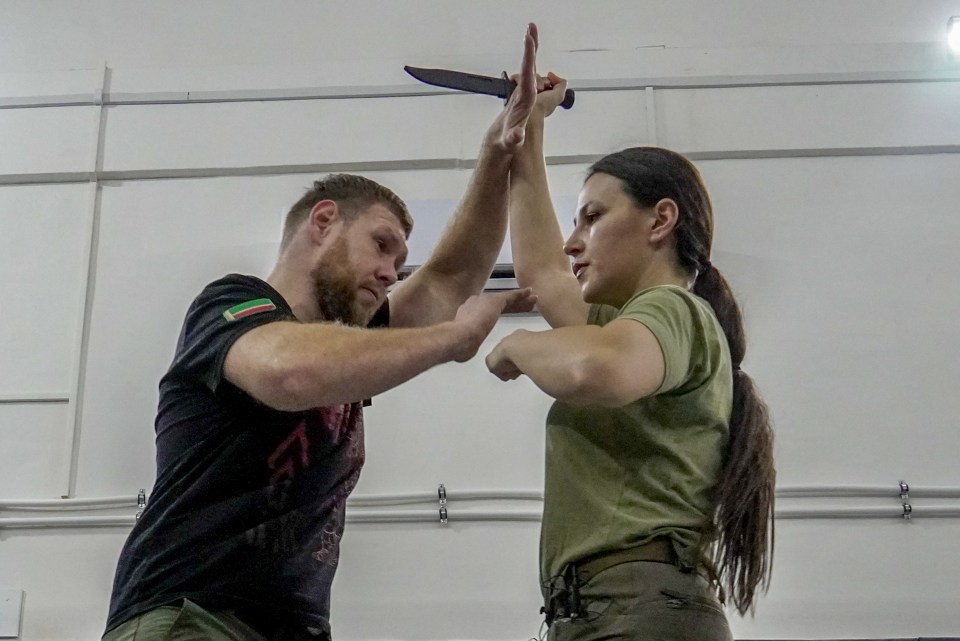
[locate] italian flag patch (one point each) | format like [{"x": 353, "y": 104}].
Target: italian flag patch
[{"x": 248, "y": 308}]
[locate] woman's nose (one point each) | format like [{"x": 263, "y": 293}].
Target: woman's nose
[{"x": 572, "y": 246}]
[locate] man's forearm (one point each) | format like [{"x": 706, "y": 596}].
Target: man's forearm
[
  {"x": 292, "y": 366},
  {"x": 464, "y": 257},
  {"x": 469, "y": 246}
]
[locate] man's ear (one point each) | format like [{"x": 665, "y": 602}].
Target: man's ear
[
  {"x": 665, "y": 217},
  {"x": 323, "y": 216}
]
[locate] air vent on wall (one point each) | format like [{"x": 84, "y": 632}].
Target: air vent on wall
[{"x": 502, "y": 278}]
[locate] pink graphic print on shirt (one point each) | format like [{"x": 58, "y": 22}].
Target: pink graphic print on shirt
[{"x": 331, "y": 436}]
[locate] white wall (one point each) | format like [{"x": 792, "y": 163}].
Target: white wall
[{"x": 828, "y": 132}]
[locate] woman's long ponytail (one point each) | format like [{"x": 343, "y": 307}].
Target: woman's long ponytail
[{"x": 744, "y": 495}]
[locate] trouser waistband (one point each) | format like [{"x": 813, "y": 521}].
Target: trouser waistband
[
  {"x": 659, "y": 550},
  {"x": 562, "y": 599}
]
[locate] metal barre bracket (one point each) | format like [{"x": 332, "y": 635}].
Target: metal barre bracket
[
  {"x": 904, "y": 497},
  {"x": 141, "y": 502},
  {"x": 442, "y": 496}
]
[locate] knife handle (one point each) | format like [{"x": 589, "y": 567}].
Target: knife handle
[{"x": 568, "y": 98}]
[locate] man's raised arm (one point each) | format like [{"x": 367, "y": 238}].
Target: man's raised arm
[{"x": 464, "y": 257}]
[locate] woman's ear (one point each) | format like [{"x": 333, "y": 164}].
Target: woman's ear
[{"x": 665, "y": 217}]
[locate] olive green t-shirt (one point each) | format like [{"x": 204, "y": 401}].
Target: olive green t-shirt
[{"x": 617, "y": 477}]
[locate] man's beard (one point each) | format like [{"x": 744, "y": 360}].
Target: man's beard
[{"x": 335, "y": 288}]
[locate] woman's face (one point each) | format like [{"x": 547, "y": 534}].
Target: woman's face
[{"x": 609, "y": 244}]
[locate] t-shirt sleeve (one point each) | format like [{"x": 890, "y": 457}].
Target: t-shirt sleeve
[
  {"x": 224, "y": 311},
  {"x": 601, "y": 314},
  {"x": 667, "y": 314}
]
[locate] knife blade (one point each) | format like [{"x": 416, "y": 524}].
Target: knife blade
[{"x": 501, "y": 87}]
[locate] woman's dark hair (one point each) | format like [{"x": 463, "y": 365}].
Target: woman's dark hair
[{"x": 742, "y": 526}]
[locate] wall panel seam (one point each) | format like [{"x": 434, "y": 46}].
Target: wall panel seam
[
  {"x": 446, "y": 164},
  {"x": 411, "y": 90}
]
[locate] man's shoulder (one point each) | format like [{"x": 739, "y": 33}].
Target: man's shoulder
[
  {"x": 225, "y": 309},
  {"x": 236, "y": 282},
  {"x": 240, "y": 291},
  {"x": 234, "y": 301}
]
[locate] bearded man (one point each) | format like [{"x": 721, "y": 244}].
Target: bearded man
[{"x": 260, "y": 424}]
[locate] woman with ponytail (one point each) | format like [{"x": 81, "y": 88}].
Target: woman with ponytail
[{"x": 659, "y": 490}]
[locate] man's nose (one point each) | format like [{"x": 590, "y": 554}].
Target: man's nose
[{"x": 388, "y": 273}]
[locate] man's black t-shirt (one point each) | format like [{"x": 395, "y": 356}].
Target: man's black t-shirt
[{"x": 247, "y": 509}]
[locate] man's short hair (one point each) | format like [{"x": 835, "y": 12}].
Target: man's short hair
[{"x": 353, "y": 195}]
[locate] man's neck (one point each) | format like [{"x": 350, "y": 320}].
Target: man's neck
[{"x": 296, "y": 290}]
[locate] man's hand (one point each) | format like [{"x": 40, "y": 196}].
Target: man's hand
[
  {"x": 534, "y": 95},
  {"x": 507, "y": 131},
  {"x": 478, "y": 314}
]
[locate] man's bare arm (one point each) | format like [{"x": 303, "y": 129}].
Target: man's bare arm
[
  {"x": 465, "y": 255},
  {"x": 294, "y": 366}
]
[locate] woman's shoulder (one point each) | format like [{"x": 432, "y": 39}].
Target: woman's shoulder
[
  {"x": 665, "y": 298},
  {"x": 676, "y": 311}
]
